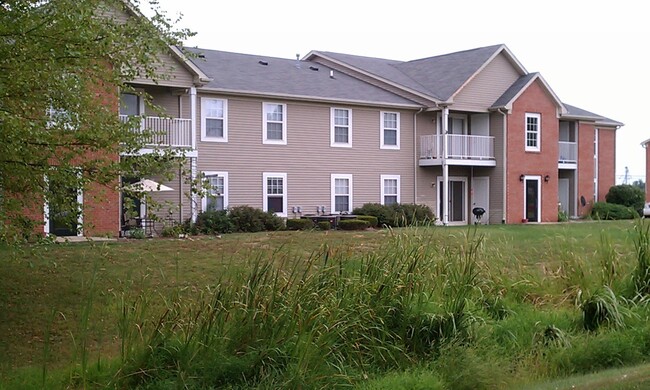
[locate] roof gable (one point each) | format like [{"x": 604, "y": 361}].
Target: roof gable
[{"x": 518, "y": 87}]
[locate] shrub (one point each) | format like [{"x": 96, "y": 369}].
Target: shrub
[
  {"x": 612, "y": 211},
  {"x": 371, "y": 219},
  {"x": 137, "y": 233},
  {"x": 324, "y": 225},
  {"x": 250, "y": 219},
  {"x": 172, "y": 231},
  {"x": 299, "y": 224},
  {"x": 626, "y": 195},
  {"x": 397, "y": 214},
  {"x": 353, "y": 224},
  {"x": 213, "y": 222}
]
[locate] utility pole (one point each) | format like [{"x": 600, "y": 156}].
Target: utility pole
[{"x": 625, "y": 178}]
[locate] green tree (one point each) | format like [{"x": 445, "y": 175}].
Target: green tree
[
  {"x": 626, "y": 195},
  {"x": 62, "y": 63}
]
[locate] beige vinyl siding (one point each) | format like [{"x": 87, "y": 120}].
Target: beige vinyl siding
[
  {"x": 427, "y": 175},
  {"x": 307, "y": 159},
  {"x": 496, "y": 173},
  {"x": 487, "y": 86},
  {"x": 165, "y": 98}
]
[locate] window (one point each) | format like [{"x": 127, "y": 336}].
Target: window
[
  {"x": 390, "y": 189},
  {"x": 341, "y": 188},
  {"x": 341, "y": 127},
  {"x": 275, "y": 123},
  {"x": 214, "y": 120},
  {"x": 275, "y": 193},
  {"x": 389, "y": 130},
  {"x": 533, "y": 128},
  {"x": 217, "y": 195},
  {"x": 131, "y": 104}
]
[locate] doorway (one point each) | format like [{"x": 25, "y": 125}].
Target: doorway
[
  {"x": 457, "y": 200},
  {"x": 63, "y": 210},
  {"x": 532, "y": 199},
  {"x": 481, "y": 196}
]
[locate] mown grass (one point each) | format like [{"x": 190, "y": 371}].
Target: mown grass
[{"x": 478, "y": 307}]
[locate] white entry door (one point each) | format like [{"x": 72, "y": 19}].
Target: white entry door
[{"x": 481, "y": 197}]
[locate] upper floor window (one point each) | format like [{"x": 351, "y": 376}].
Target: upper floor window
[
  {"x": 275, "y": 193},
  {"x": 214, "y": 120},
  {"x": 390, "y": 130},
  {"x": 217, "y": 194},
  {"x": 131, "y": 104},
  {"x": 533, "y": 130},
  {"x": 275, "y": 123},
  {"x": 341, "y": 127},
  {"x": 341, "y": 189},
  {"x": 390, "y": 189}
]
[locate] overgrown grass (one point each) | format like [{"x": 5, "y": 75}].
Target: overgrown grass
[{"x": 427, "y": 307}]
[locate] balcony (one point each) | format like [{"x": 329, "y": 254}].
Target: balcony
[
  {"x": 167, "y": 132},
  {"x": 568, "y": 154},
  {"x": 471, "y": 150}
]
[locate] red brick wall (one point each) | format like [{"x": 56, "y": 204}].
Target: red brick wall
[
  {"x": 102, "y": 210},
  {"x": 647, "y": 172},
  {"x": 606, "y": 161},
  {"x": 586, "y": 132},
  {"x": 534, "y": 100}
]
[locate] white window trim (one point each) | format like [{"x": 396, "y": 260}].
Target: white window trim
[
  {"x": 539, "y": 132},
  {"x": 332, "y": 126},
  {"x": 285, "y": 190},
  {"x": 265, "y": 139},
  {"x": 399, "y": 187},
  {"x": 204, "y": 199},
  {"x": 381, "y": 133},
  {"x": 204, "y": 136},
  {"x": 333, "y": 178}
]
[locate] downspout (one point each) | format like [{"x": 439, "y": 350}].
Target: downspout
[
  {"x": 505, "y": 164},
  {"x": 445, "y": 167},
  {"x": 193, "y": 197},
  {"x": 417, "y": 155}
]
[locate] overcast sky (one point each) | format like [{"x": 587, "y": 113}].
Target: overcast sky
[{"x": 594, "y": 54}]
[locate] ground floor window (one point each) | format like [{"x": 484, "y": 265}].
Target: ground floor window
[
  {"x": 341, "y": 190},
  {"x": 216, "y": 197},
  {"x": 275, "y": 193},
  {"x": 390, "y": 189}
]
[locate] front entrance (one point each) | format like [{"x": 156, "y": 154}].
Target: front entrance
[
  {"x": 481, "y": 196},
  {"x": 457, "y": 200},
  {"x": 532, "y": 203},
  {"x": 563, "y": 195},
  {"x": 64, "y": 210}
]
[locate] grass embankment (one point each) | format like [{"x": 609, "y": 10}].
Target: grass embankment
[{"x": 425, "y": 307}]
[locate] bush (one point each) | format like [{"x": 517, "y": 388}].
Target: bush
[
  {"x": 250, "y": 219},
  {"x": 172, "y": 231},
  {"x": 626, "y": 195},
  {"x": 372, "y": 220},
  {"x": 213, "y": 222},
  {"x": 299, "y": 224},
  {"x": 324, "y": 225},
  {"x": 397, "y": 214},
  {"x": 353, "y": 224},
  {"x": 612, "y": 211}
]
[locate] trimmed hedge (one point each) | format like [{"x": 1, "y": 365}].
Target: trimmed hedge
[
  {"x": 612, "y": 211},
  {"x": 371, "y": 219},
  {"x": 324, "y": 225},
  {"x": 250, "y": 220},
  {"x": 353, "y": 224},
  {"x": 300, "y": 224},
  {"x": 397, "y": 214}
]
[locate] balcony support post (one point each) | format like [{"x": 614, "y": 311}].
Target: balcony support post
[{"x": 445, "y": 167}]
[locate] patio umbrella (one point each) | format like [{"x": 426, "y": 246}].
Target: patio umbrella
[{"x": 147, "y": 185}]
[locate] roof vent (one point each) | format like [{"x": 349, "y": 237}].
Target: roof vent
[
  {"x": 265, "y": 63},
  {"x": 331, "y": 74},
  {"x": 313, "y": 68},
  {"x": 298, "y": 61}
]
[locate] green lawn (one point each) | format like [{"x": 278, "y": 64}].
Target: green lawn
[{"x": 54, "y": 298}]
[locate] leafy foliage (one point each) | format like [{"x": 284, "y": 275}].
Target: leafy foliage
[
  {"x": 300, "y": 224},
  {"x": 612, "y": 211},
  {"x": 214, "y": 221},
  {"x": 250, "y": 219},
  {"x": 353, "y": 224},
  {"x": 626, "y": 195},
  {"x": 62, "y": 63},
  {"x": 397, "y": 214}
]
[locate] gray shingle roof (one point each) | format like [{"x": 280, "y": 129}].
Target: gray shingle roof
[
  {"x": 576, "y": 112},
  {"x": 439, "y": 77},
  {"x": 247, "y": 73},
  {"x": 514, "y": 90}
]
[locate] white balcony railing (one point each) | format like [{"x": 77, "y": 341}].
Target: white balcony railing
[
  {"x": 568, "y": 152},
  {"x": 169, "y": 132},
  {"x": 469, "y": 147}
]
